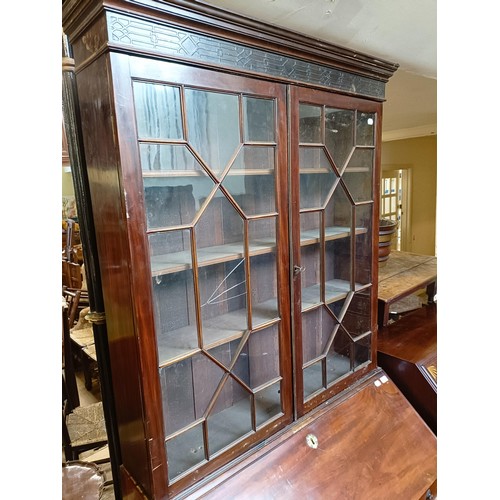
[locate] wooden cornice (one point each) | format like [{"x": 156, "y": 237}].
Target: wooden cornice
[{"x": 203, "y": 18}]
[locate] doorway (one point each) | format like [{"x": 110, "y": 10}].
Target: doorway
[{"x": 395, "y": 203}]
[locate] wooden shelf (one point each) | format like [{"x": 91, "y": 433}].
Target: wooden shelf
[
  {"x": 179, "y": 344},
  {"x": 201, "y": 173},
  {"x": 334, "y": 290},
  {"x": 181, "y": 261}
]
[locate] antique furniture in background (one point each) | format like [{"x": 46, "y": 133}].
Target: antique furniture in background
[
  {"x": 233, "y": 171},
  {"x": 404, "y": 274},
  {"x": 407, "y": 351}
]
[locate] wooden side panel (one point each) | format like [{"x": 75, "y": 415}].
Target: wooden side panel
[
  {"x": 99, "y": 129},
  {"x": 373, "y": 445}
]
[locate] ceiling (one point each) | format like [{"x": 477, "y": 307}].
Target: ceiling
[{"x": 400, "y": 31}]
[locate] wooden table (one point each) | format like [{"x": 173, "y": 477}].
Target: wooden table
[{"x": 403, "y": 274}]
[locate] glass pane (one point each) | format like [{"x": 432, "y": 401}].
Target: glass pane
[
  {"x": 254, "y": 194},
  {"x": 263, "y": 355},
  {"x": 387, "y": 205},
  {"x": 223, "y": 301},
  {"x": 318, "y": 326},
  {"x": 310, "y": 123},
  {"x": 176, "y": 382},
  {"x": 313, "y": 158},
  {"x": 393, "y": 204},
  {"x": 158, "y": 111},
  {"x": 225, "y": 354},
  {"x": 170, "y": 252},
  {"x": 317, "y": 178},
  {"x": 268, "y": 403},
  {"x": 175, "y": 318},
  {"x": 365, "y": 129},
  {"x": 310, "y": 259},
  {"x": 358, "y": 175},
  {"x": 258, "y": 119},
  {"x": 339, "y": 134},
  {"x": 231, "y": 417},
  {"x": 357, "y": 319},
  {"x": 338, "y": 216},
  {"x": 363, "y": 264},
  {"x": 185, "y": 451},
  {"x": 171, "y": 158},
  {"x": 207, "y": 376},
  {"x": 263, "y": 270},
  {"x": 362, "y": 351},
  {"x": 213, "y": 126},
  {"x": 257, "y": 158},
  {"x": 221, "y": 274},
  {"x": 338, "y": 360},
  {"x": 175, "y": 200},
  {"x": 313, "y": 379}
]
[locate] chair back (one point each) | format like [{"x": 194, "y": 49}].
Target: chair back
[{"x": 71, "y": 274}]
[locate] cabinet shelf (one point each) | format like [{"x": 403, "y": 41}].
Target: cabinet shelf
[
  {"x": 162, "y": 174},
  {"x": 334, "y": 290},
  {"x": 208, "y": 256},
  {"x": 181, "y": 343},
  {"x": 181, "y": 261}
]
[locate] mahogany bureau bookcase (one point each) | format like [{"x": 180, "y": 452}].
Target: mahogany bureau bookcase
[{"x": 234, "y": 178}]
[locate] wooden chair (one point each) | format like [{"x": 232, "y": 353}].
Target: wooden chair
[
  {"x": 82, "y": 338},
  {"x": 83, "y": 428},
  {"x": 71, "y": 274}
]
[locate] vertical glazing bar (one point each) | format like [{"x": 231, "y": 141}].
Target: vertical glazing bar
[
  {"x": 246, "y": 250},
  {"x": 353, "y": 248},
  {"x": 197, "y": 300},
  {"x": 322, "y": 261},
  {"x": 184, "y": 113}
]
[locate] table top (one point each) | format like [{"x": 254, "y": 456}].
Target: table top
[{"x": 405, "y": 272}]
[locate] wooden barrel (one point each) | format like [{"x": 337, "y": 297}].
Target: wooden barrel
[{"x": 387, "y": 230}]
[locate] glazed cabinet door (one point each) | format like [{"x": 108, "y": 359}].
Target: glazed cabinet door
[
  {"x": 334, "y": 157},
  {"x": 205, "y": 170}
]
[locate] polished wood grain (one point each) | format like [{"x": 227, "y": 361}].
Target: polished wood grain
[
  {"x": 372, "y": 445},
  {"x": 407, "y": 351}
]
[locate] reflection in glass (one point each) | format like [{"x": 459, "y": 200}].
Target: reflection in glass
[
  {"x": 339, "y": 134},
  {"x": 158, "y": 111},
  {"x": 213, "y": 126},
  {"x": 310, "y": 123},
  {"x": 258, "y": 119},
  {"x": 171, "y": 158},
  {"x": 365, "y": 129}
]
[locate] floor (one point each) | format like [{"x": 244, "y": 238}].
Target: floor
[{"x": 99, "y": 457}]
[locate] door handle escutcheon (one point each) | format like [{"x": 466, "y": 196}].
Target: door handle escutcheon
[{"x": 298, "y": 269}]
